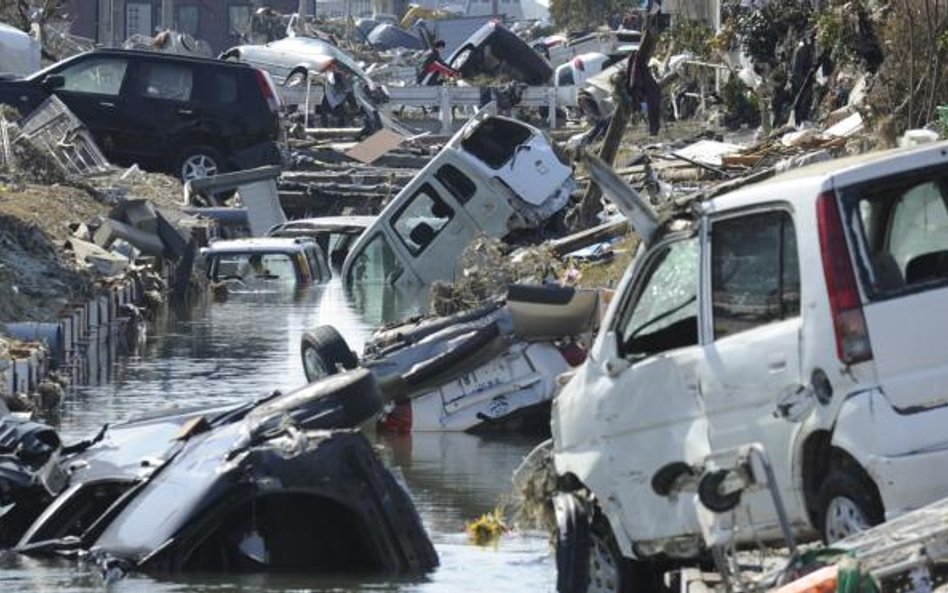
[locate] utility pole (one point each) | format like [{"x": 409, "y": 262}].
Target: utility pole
[
  {"x": 494, "y": 8},
  {"x": 167, "y": 14}
]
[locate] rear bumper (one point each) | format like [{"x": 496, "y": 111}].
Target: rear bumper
[
  {"x": 905, "y": 454},
  {"x": 911, "y": 481}
]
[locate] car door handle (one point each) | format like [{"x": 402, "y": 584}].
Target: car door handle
[
  {"x": 108, "y": 104},
  {"x": 183, "y": 111},
  {"x": 777, "y": 366}
]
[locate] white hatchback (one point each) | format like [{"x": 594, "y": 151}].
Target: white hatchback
[{"x": 809, "y": 314}]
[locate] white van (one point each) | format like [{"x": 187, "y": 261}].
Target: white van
[
  {"x": 495, "y": 176},
  {"x": 570, "y": 76},
  {"x": 807, "y": 313}
]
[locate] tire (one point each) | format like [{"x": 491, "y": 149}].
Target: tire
[
  {"x": 198, "y": 162},
  {"x": 848, "y": 503},
  {"x": 344, "y": 400},
  {"x": 324, "y": 353},
  {"x": 588, "y": 559},
  {"x": 572, "y": 543},
  {"x": 608, "y": 570}
]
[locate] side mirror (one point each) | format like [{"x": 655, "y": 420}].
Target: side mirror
[
  {"x": 53, "y": 82},
  {"x": 605, "y": 352}
]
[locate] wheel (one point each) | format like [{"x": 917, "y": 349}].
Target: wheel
[
  {"x": 588, "y": 559},
  {"x": 324, "y": 351},
  {"x": 606, "y": 574},
  {"x": 849, "y": 503},
  {"x": 344, "y": 400},
  {"x": 198, "y": 162}
]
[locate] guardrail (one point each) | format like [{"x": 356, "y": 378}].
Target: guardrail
[{"x": 446, "y": 98}]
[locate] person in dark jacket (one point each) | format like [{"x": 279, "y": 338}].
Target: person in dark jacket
[
  {"x": 642, "y": 86},
  {"x": 434, "y": 65}
]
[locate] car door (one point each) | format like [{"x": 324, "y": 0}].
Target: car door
[
  {"x": 432, "y": 229},
  {"x": 160, "y": 102},
  {"x": 651, "y": 416},
  {"x": 752, "y": 358},
  {"x": 92, "y": 89}
]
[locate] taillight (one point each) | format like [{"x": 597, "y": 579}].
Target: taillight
[
  {"x": 578, "y": 63},
  {"x": 849, "y": 322},
  {"x": 269, "y": 91}
]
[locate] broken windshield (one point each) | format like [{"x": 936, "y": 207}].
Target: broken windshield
[{"x": 665, "y": 314}]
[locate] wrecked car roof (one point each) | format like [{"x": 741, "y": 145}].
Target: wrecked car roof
[
  {"x": 328, "y": 223},
  {"x": 837, "y": 173},
  {"x": 261, "y": 244}
]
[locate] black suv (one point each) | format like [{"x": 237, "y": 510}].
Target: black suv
[{"x": 190, "y": 117}]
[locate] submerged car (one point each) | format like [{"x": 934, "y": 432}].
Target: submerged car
[
  {"x": 492, "y": 368},
  {"x": 270, "y": 261},
  {"x": 281, "y": 484},
  {"x": 804, "y": 314},
  {"x": 335, "y": 235},
  {"x": 497, "y": 176}
]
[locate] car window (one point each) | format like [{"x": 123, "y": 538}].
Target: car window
[
  {"x": 902, "y": 227},
  {"x": 166, "y": 81},
  {"x": 421, "y": 219},
  {"x": 376, "y": 263},
  {"x": 755, "y": 273},
  {"x": 250, "y": 267},
  {"x": 919, "y": 224},
  {"x": 100, "y": 76},
  {"x": 564, "y": 77},
  {"x": 495, "y": 141},
  {"x": 216, "y": 85},
  {"x": 459, "y": 184},
  {"x": 665, "y": 311}
]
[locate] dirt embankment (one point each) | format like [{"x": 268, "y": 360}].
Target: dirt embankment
[{"x": 37, "y": 277}]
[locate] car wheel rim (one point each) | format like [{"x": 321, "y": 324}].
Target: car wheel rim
[
  {"x": 603, "y": 570},
  {"x": 844, "y": 518},
  {"x": 198, "y": 166},
  {"x": 313, "y": 365}
]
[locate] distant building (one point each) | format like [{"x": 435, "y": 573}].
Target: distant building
[
  {"x": 110, "y": 22},
  {"x": 219, "y": 22}
]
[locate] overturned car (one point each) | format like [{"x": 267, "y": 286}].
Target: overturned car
[
  {"x": 491, "y": 368},
  {"x": 497, "y": 176},
  {"x": 282, "y": 484}
]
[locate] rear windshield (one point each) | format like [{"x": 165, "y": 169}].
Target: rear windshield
[
  {"x": 900, "y": 228},
  {"x": 495, "y": 140}
]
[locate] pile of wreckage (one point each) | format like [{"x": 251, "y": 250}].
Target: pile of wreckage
[
  {"x": 413, "y": 207},
  {"x": 71, "y": 285}
]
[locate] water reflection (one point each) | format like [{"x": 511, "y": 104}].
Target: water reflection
[{"x": 224, "y": 352}]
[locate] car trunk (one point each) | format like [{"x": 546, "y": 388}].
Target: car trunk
[{"x": 898, "y": 227}]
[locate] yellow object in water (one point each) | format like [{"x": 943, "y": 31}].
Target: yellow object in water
[{"x": 487, "y": 529}]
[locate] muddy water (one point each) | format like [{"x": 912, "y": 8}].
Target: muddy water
[{"x": 248, "y": 346}]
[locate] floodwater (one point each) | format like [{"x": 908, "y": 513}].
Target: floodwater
[{"x": 248, "y": 346}]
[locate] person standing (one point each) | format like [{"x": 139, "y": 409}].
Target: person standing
[{"x": 434, "y": 65}]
